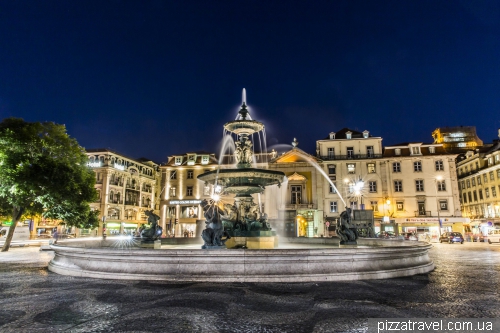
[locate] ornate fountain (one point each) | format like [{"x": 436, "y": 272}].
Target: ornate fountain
[{"x": 244, "y": 223}]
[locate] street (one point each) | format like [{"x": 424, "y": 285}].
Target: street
[{"x": 465, "y": 284}]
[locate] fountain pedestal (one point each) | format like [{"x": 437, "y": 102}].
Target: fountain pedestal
[
  {"x": 256, "y": 242},
  {"x": 150, "y": 244}
]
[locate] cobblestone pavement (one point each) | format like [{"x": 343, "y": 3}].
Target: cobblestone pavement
[{"x": 465, "y": 284}]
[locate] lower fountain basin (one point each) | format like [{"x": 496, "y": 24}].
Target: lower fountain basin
[{"x": 378, "y": 259}]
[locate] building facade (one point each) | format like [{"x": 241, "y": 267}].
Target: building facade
[
  {"x": 126, "y": 188},
  {"x": 479, "y": 182}
]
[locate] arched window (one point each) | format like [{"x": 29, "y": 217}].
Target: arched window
[
  {"x": 111, "y": 193},
  {"x": 118, "y": 194}
]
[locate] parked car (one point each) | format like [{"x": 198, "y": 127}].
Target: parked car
[
  {"x": 409, "y": 236},
  {"x": 386, "y": 234},
  {"x": 494, "y": 236},
  {"x": 452, "y": 237}
]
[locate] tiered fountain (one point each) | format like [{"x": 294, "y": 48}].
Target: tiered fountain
[
  {"x": 244, "y": 222},
  {"x": 257, "y": 259}
]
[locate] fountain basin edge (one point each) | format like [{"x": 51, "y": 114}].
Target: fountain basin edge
[{"x": 243, "y": 265}]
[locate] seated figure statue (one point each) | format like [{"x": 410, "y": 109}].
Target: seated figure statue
[
  {"x": 214, "y": 231},
  {"x": 154, "y": 231},
  {"x": 345, "y": 231}
]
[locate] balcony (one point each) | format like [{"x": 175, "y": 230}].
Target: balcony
[
  {"x": 114, "y": 201},
  {"x": 423, "y": 213},
  {"x": 116, "y": 183},
  {"x": 300, "y": 206},
  {"x": 350, "y": 157},
  {"x": 132, "y": 187},
  {"x": 147, "y": 189},
  {"x": 132, "y": 203}
]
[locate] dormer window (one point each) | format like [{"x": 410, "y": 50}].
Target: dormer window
[
  {"x": 432, "y": 150},
  {"x": 366, "y": 134},
  {"x": 397, "y": 151},
  {"x": 332, "y": 135},
  {"x": 415, "y": 150},
  {"x": 348, "y": 135},
  {"x": 204, "y": 159},
  {"x": 178, "y": 160},
  {"x": 191, "y": 159}
]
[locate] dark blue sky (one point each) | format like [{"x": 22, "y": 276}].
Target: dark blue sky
[{"x": 156, "y": 78}]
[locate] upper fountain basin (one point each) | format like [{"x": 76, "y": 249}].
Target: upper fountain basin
[{"x": 244, "y": 127}]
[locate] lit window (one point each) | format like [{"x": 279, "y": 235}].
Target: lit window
[
  {"x": 332, "y": 188},
  {"x": 206, "y": 190},
  {"x": 473, "y": 181},
  {"x": 204, "y": 159},
  {"x": 371, "y": 167},
  {"x": 333, "y": 207},
  {"x": 397, "y": 151},
  {"x": 348, "y": 135},
  {"x": 178, "y": 160},
  {"x": 351, "y": 168},
  {"x": 399, "y": 206},
  {"x": 172, "y": 191},
  {"x": 492, "y": 175},
  {"x": 487, "y": 192},
  {"x": 478, "y": 180},
  {"x": 374, "y": 205},
  {"x": 432, "y": 150},
  {"x": 493, "y": 192},
  {"x": 415, "y": 150}
]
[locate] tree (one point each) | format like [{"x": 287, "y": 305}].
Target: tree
[{"x": 44, "y": 171}]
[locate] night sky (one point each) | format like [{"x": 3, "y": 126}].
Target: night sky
[{"x": 158, "y": 78}]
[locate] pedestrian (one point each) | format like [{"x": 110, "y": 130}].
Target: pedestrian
[{"x": 55, "y": 235}]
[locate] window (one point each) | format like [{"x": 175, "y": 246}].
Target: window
[
  {"x": 332, "y": 188},
  {"x": 396, "y": 167},
  {"x": 415, "y": 150},
  {"x": 296, "y": 194},
  {"x": 478, "y": 180},
  {"x": 191, "y": 159},
  {"x": 439, "y": 165},
  {"x": 178, "y": 160},
  {"x": 369, "y": 151},
  {"x": 473, "y": 181},
  {"x": 350, "y": 152},
  {"x": 485, "y": 178},
  {"x": 417, "y": 166},
  {"x": 398, "y": 186},
  {"x": 493, "y": 192},
  {"x": 463, "y": 184},
  {"x": 173, "y": 174},
  {"x": 487, "y": 193},
  {"x": 399, "y": 206},
  {"x": 469, "y": 196},
  {"x": 348, "y": 135},
  {"x": 351, "y": 168},
  {"x": 465, "y": 197},
  {"x": 419, "y": 185},
  {"x": 371, "y": 167},
  {"x": 189, "y": 191},
  {"x": 475, "y": 195},
  {"x": 443, "y": 204},
  {"x": 331, "y": 152},
  {"x": 492, "y": 175},
  {"x": 432, "y": 150},
  {"x": 480, "y": 194},
  {"x": 374, "y": 205},
  {"x": 397, "y": 151},
  {"x": 206, "y": 190},
  {"x": 498, "y": 172},
  {"x": 204, "y": 159},
  {"x": 468, "y": 183},
  {"x": 172, "y": 191},
  {"x": 366, "y": 134},
  {"x": 372, "y": 186},
  {"x": 441, "y": 185},
  {"x": 190, "y": 174},
  {"x": 333, "y": 207},
  {"x": 331, "y": 169}
]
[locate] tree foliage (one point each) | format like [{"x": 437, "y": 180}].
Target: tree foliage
[{"x": 44, "y": 171}]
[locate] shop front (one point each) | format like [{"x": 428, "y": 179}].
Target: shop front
[
  {"x": 433, "y": 227},
  {"x": 181, "y": 218}
]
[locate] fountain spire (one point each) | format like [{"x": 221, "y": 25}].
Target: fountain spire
[{"x": 244, "y": 96}]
